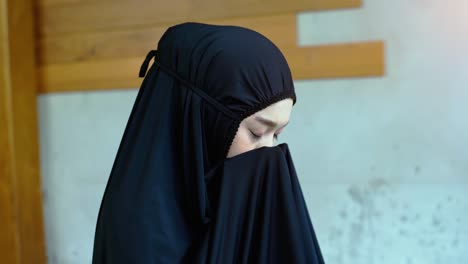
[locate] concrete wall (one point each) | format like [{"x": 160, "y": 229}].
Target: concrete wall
[{"x": 383, "y": 162}]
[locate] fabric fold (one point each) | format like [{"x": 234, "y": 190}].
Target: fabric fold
[{"x": 259, "y": 212}]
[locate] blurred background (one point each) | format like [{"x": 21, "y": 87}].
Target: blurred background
[{"x": 378, "y": 134}]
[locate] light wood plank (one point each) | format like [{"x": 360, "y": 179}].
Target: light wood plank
[
  {"x": 90, "y": 75},
  {"x": 338, "y": 60},
  {"x": 20, "y": 188},
  {"x": 90, "y": 16},
  {"x": 281, "y": 29},
  {"x": 61, "y": 2},
  {"x": 343, "y": 60}
]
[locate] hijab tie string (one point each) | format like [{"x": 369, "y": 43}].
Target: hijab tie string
[{"x": 175, "y": 75}]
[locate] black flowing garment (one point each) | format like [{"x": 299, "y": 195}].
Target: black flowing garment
[{"x": 172, "y": 195}]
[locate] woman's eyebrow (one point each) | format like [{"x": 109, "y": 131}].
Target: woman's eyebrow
[{"x": 267, "y": 122}]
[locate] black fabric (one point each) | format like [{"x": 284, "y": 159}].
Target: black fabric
[
  {"x": 259, "y": 211},
  {"x": 172, "y": 195}
]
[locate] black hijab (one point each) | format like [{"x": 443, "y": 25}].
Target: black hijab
[{"x": 172, "y": 195}]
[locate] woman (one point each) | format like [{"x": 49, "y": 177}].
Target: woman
[{"x": 197, "y": 178}]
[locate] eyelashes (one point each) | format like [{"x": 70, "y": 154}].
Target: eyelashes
[
  {"x": 254, "y": 136},
  {"x": 257, "y": 137}
]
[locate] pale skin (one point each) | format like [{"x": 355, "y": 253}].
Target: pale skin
[{"x": 261, "y": 129}]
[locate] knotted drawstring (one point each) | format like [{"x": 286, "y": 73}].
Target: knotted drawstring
[
  {"x": 175, "y": 75},
  {"x": 144, "y": 66}
]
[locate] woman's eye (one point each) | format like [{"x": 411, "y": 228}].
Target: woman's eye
[{"x": 255, "y": 136}]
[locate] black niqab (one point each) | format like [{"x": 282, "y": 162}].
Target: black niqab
[{"x": 172, "y": 195}]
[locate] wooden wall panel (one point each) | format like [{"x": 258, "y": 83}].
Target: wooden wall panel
[
  {"x": 77, "y": 16},
  {"x": 21, "y": 226},
  {"x": 343, "y": 60},
  {"x": 91, "y": 45},
  {"x": 281, "y": 29},
  {"x": 338, "y": 60},
  {"x": 91, "y": 75}
]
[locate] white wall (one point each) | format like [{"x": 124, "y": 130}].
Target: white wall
[
  {"x": 384, "y": 166},
  {"x": 79, "y": 137}
]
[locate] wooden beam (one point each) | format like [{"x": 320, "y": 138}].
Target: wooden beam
[
  {"x": 342, "y": 60},
  {"x": 90, "y": 16},
  {"x": 9, "y": 248},
  {"x": 338, "y": 60},
  {"x": 101, "y": 45},
  {"x": 21, "y": 228},
  {"x": 90, "y": 75}
]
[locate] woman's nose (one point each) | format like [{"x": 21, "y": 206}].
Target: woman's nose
[{"x": 267, "y": 142}]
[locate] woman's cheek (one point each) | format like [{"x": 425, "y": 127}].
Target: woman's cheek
[{"x": 241, "y": 143}]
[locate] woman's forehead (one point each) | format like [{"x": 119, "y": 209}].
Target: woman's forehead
[{"x": 276, "y": 114}]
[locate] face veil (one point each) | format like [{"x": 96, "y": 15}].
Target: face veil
[{"x": 171, "y": 188}]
